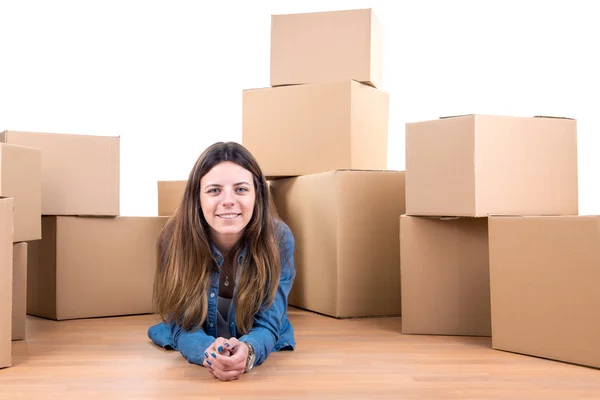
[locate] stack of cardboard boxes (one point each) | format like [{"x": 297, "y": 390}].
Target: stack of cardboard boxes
[
  {"x": 492, "y": 244},
  {"x": 20, "y": 210},
  {"x": 80, "y": 258},
  {"x": 320, "y": 133}
]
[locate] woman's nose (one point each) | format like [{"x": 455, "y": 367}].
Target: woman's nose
[{"x": 228, "y": 197}]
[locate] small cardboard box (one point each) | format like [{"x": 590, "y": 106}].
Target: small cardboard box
[
  {"x": 480, "y": 165},
  {"x": 445, "y": 276},
  {"x": 21, "y": 179},
  {"x": 326, "y": 46},
  {"x": 544, "y": 274},
  {"x": 170, "y": 194},
  {"x": 80, "y": 173},
  {"x": 345, "y": 226},
  {"x": 88, "y": 267},
  {"x": 309, "y": 129}
]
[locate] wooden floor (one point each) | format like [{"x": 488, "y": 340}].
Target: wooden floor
[{"x": 112, "y": 358}]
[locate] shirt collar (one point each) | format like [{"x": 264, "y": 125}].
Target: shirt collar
[{"x": 219, "y": 257}]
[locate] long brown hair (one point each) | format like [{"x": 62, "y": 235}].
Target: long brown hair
[{"x": 185, "y": 260}]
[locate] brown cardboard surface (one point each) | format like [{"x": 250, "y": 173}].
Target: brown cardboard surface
[
  {"x": 92, "y": 267},
  {"x": 445, "y": 276},
  {"x": 80, "y": 173},
  {"x": 544, "y": 287},
  {"x": 6, "y": 268},
  {"x": 21, "y": 179},
  {"x": 326, "y": 46},
  {"x": 480, "y": 165},
  {"x": 345, "y": 226},
  {"x": 170, "y": 194},
  {"x": 308, "y": 129},
  {"x": 19, "y": 294}
]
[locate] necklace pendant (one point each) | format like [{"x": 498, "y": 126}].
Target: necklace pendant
[{"x": 226, "y": 283}]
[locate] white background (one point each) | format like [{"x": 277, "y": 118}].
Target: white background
[{"x": 167, "y": 76}]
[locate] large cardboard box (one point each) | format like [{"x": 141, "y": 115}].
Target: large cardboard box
[
  {"x": 21, "y": 179},
  {"x": 92, "y": 267},
  {"x": 80, "y": 173},
  {"x": 19, "y": 293},
  {"x": 170, "y": 194},
  {"x": 326, "y": 46},
  {"x": 308, "y": 129},
  {"x": 445, "y": 276},
  {"x": 544, "y": 275},
  {"x": 6, "y": 268},
  {"x": 345, "y": 225},
  {"x": 480, "y": 165}
]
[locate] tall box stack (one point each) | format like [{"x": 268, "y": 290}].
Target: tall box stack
[
  {"x": 20, "y": 180},
  {"x": 90, "y": 261},
  {"x": 460, "y": 171},
  {"x": 491, "y": 208},
  {"x": 320, "y": 134}
]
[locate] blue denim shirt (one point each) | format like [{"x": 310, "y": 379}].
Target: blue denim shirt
[{"x": 271, "y": 331}]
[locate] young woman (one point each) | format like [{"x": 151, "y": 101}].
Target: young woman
[{"x": 225, "y": 268}]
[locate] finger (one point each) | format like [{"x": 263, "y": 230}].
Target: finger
[
  {"x": 221, "y": 347},
  {"x": 231, "y": 343},
  {"x": 239, "y": 354},
  {"x": 228, "y": 375},
  {"x": 208, "y": 364},
  {"x": 216, "y": 348},
  {"x": 226, "y": 363},
  {"x": 219, "y": 342}
]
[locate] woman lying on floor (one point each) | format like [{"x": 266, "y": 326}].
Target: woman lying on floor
[{"x": 225, "y": 268}]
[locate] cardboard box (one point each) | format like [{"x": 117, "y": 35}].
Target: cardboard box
[
  {"x": 19, "y": 293},
  {"x": 480, "y": 165},
  {"x": 80, "y": 173},
  {"x": 6, "y": 268},
  {"x": 544, "y": 287},
  {"x": 21, "y": 179},
  {"x": 445, "y": 276},
  {"x": 308, "y": 129},
  {"x": 170, "y": 194},
  {"x": 326, "y": 46},
  {"x": 92, "y": 267},
  {"x": 345, "y": 226}
]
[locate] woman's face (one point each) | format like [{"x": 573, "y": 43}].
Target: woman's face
[{"x": 227, "y": 199}]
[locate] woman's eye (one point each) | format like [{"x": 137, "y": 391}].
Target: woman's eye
[{"x": 242, "y": 189}]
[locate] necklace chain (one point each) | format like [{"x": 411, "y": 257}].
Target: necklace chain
[{"x": 226, "y": 283}]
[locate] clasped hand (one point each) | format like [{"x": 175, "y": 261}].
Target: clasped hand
[{"x": 226, "y": 358}]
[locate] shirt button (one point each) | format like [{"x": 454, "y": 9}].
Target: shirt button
[
  {"x": 212, "y": 295},
  {"x": 211, "y": 324}
]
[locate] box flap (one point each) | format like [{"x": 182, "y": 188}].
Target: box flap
[
  {"x": 550, "y": 116},
  {"x": 366, "y": 170},
  {"x": 457, "y": 116},
  {"x": 536, "y": 116},
  {"x": 323, "y": 12}
]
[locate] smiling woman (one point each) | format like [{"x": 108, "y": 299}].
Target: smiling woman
[{"x": 225, "y": 268}]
